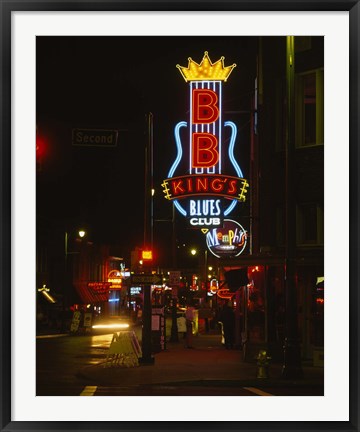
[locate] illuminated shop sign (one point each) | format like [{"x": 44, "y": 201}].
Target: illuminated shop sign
[
  {"x": 214, "y": 286},
  {"x": 135, "y": 290},
  {"x": 99, "y": 287},
  {"x": 205, "y": 181},
  {"x": 227, "y": 241},
  {"x": 115, "y": 279},
  {"x": 225, "y": 294}
]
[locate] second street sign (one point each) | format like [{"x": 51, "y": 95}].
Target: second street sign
[{"x": 94, "y": 137}]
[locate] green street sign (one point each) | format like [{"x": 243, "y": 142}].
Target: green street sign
[{"x": 94, "y": 137}]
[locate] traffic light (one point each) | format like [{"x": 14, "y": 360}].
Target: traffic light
[
  {"x": 40, "y": 146},
  {"x": 40, "y": 151},
  {"x": 146, "y": 255}
]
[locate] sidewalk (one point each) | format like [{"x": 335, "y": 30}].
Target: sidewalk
[{"x": 209, "y": 363}]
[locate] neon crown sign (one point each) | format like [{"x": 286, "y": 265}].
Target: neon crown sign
[
  {"x": 197, "y": 185},
  {"x": 206, "y": 70}
]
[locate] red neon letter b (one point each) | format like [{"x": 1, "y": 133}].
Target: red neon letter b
[
  {"x": 204, "y": 109},
  {"x": 204, "y": 150}
]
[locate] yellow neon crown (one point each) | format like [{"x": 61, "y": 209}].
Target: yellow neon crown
[{"x": 206, "y": 71}]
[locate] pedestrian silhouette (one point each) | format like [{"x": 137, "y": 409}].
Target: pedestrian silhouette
[
  {"x": 189, "y": 315},
  {"x": 227, "y": 317}
]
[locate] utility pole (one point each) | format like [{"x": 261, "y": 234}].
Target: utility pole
[
  {"x": 149, "y": 184},
  {"x": 146, "y": 347},
  {"x": 292, "y": 354}
]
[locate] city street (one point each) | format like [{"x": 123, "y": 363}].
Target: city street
[
  {"x": 59, "y": 358},
  {"x": 74, "y": 366}
]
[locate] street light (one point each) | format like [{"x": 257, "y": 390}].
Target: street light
[
  {"x": 203, "y": 270},
  {"x": 81, "y": 233}
]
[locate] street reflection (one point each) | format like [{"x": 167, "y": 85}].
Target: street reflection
[
  {"x": 104, "y": 340},
  {"x": 101, "y": 340}
]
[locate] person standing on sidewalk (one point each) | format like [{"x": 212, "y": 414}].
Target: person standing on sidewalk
[
  {"x": 189, "y": 315},
  {"x": 227, "y": 317}
]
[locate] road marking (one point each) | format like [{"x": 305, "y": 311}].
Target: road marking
[
  {"x": 88, "y": 391},
  {"x": 57, "y": 335},
  {"x": 257, "y": 391}
]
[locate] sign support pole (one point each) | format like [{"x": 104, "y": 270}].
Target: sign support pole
[{"x": 146, "y": 358}]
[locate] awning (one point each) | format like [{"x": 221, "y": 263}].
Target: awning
[{"x": 88, "y": 295}]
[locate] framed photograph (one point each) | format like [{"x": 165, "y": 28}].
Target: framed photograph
[{"x": 176, "y": 296}]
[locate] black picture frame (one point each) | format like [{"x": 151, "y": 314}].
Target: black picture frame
[{"x": 6, "y": 9}]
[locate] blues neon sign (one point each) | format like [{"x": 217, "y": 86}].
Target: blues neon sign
[{"x": 205, "y": 182}]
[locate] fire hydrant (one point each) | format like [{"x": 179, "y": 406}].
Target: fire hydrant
[{"x": 263, "y": 364}]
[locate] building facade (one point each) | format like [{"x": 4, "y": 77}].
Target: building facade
[{"x": 266, "y": 293}]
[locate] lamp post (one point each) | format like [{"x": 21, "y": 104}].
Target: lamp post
[
  {"x": 193, "y": 252},
  {"x": 204, "y": 271},
  {"x": 81, "y": 233}
]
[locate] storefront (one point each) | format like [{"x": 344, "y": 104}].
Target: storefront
[{"x": 260, "y": 307}]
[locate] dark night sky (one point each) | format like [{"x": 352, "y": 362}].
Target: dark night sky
[{"x": 111, "y": 83}]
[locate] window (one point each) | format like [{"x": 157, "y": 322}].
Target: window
[
  {"x": 309, "y": 91},
  {"x": 280, "y": 225},
  {"x": 310, "y": 226}
]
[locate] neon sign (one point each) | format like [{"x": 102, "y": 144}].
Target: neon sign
[
  {"x": 135, "y": 290},
  {"x": 198, "y": 187},
  {"x": 224, "y": 293},
  {"x": 214, "y": 286},
  {"x": 99, "y": 287},
  {"x": 229, "y": 240},
  {"x": 115, "y": 279},
  {"x": 225, "y": 186}
]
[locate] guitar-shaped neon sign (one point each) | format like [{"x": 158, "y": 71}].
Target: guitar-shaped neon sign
[{"x": 206, "y": 187}]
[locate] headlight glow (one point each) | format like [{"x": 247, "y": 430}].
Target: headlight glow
[{"x": 111, "y": 326}]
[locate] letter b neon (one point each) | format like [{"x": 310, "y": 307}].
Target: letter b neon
[
  {"x": 204, "y": 150},
  {"x": 204, "y": 106}
]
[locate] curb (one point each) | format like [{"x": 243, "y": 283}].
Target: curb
[{"x": 108, "y": 376}]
